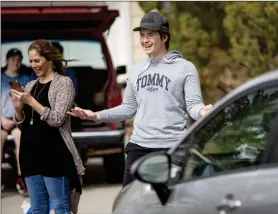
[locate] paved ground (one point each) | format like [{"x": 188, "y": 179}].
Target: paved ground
[{"x": 97, "y": 197}]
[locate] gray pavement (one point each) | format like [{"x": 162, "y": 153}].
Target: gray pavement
[{"x": 97, "y": 197}]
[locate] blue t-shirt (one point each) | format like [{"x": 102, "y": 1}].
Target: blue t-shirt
[{"x": 7, "y": 109}]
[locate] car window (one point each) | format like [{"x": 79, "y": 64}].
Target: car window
[
  {"x": 85, "y": 52},
  {"x": 235, "y": 137}
]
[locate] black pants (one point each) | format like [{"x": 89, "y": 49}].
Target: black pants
[{"x": 133, "y": 152}]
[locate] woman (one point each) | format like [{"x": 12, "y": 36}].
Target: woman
[{"x": 49, "y": 160}]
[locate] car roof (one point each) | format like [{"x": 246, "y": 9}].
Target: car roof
[{"x": 271, "y": 76}]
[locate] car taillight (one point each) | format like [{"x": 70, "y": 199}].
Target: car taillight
[
  {"x": 114, "y": 98},
  {"x": 116, "y": 125}
]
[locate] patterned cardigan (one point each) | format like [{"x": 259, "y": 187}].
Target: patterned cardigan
[{"x": 61, "y": 96}]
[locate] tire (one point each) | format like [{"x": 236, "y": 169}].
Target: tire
[{"x": 114, "y": 166}]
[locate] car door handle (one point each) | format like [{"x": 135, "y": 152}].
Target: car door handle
[{"x": 229, "y": 204}]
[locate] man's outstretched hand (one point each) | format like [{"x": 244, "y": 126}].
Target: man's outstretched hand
[
  {"x": 205, "y": 110},
  {"x": 84, "y": 114}
]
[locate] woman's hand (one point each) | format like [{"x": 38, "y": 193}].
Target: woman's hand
[
  {"x": 16, "y": 103},
  {"x": 22, "y": 97},
  {"x": 84, "y": 114}
]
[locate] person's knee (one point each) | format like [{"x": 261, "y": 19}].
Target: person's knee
[
  {"x": 59, "y": 192},
  {"x": 4, "y": 133},
  {"x": 38, "y": 194}
]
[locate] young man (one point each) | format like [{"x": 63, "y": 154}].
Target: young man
[
  {"x": 162, "y": 92},
  {"x": 12, "y": 71}
]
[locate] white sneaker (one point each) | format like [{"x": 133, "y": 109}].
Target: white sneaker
[{"x": 25, "y": 206}]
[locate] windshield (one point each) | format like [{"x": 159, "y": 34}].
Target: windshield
[{"x": 86, "y": 52}]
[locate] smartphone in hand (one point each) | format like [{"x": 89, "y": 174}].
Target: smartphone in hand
[{"x": 16, "y": 86}]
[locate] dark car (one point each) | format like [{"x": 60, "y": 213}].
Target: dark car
[
  {"x": 223, "y": 164},
  {"x": 80, "y": 30}
]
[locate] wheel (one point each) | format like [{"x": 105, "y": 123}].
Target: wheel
[{"x": 114, "y": 166}]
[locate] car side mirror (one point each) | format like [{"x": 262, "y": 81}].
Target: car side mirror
[{"x": 153, "y": 168}]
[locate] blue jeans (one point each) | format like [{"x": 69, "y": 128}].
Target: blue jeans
[
  {"x": 50, "y": 208},
  {"x": 42, "y": 188}
]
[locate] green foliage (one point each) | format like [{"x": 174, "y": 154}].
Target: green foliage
[
  {"x": 245, "y": 123},
  {"x": 252, "y": 29},
  {"x": 194, "y": 42},
  {"x": 228, "y": 42}
]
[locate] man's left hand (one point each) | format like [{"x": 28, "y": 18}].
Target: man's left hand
[{"x": 205, "y": 110}]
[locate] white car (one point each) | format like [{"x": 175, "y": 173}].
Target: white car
[{"x": 217, "y": 166}]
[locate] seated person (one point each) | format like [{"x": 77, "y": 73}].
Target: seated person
[{"x": 12, "y": 71}]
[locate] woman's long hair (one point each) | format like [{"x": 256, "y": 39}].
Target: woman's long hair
[{"x": 51, "y": 53}]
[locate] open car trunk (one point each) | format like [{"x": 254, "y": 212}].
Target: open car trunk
[
  {"x": 20, "y": 23},
  {"x": 95, "y": 84}
]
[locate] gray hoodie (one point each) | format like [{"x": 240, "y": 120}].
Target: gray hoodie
[{"x": 160, "y": 94}]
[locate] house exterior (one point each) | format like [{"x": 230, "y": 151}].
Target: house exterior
[{"x": 122, "y": 41}]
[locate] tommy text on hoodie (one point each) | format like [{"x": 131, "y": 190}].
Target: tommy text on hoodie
[{"x": 160, "y": 94}]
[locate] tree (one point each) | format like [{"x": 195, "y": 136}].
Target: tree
[
  {"x": 229, "y": 42},
  {"x": 253, "y": 32}
]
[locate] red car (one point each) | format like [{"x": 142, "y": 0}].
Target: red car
[{"x": 80, "y": 30}]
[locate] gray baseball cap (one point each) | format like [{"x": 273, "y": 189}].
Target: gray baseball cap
[{"x": 154, "y": 21}]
